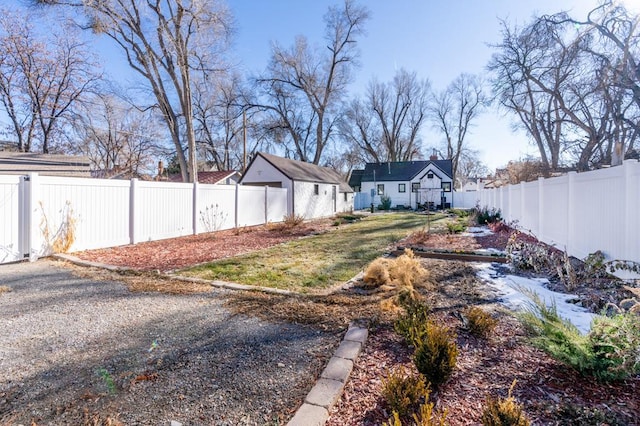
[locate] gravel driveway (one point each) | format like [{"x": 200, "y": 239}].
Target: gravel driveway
[{"x": 80, "y": 351}]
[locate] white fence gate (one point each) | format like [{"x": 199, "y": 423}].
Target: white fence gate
[
  {"x": 35, "y": 211},
  {"x": 579, "y": 212}
]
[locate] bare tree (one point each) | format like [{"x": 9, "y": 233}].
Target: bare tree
[
  {"x": 470, "y": 167},
  {"x": 166, "y": 42},
  {"x": 453, "y": 112},
  {"x": 118, "y": 138},
  {"x": 385, "y": 125},
  {"x": 41, "y": 82},
  {"x": 303, "y": 86}
]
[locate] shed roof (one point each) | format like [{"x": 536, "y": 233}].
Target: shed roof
[
  {"x": 211, "y": 178},
  {"x": 305, "y": 172},
  {"x": 401, "y": 170},
  {"x": 45, "y": 164}
]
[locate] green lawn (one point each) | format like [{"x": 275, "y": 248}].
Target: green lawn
[{"x": 317, "y": 262}]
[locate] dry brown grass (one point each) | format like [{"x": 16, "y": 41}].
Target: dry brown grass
[{"x": 4, "y": 289}]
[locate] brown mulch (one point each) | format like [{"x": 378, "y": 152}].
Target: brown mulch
[{"x": 175, "y": 253}]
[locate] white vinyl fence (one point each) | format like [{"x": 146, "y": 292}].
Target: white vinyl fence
[
  {"x": 579, "y": 212},
  {"x": 38, "y": 214}
]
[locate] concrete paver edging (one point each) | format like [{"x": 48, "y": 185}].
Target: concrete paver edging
[{"x": 328, "y": 389}]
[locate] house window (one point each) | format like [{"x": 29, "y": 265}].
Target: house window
[
  {"x": 415, "y": 186},
  {"x": 380, "y": 189},
  {"x": 446, "y": 186},
  {"x": 402, "y": 187},
  {"x": 316, "y": 189},
  {"x": 429, "y": 175}
]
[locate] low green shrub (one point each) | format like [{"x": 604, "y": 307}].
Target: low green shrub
[
  {"x": 504, "y": 412},
  {"x": 436, "y": 352},
  {"x": 411, "y": 325},
  {"x": 462, "y": 213},
  {"x": 485, "y": 216},
  {"x": 403, "y": 391},
  {"x": 385, "y": 203},
  {"x": 610, "y": 351},
  {"x": 456, "y": 227}
]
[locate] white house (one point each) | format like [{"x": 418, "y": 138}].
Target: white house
[
  {"x": 409, "y": 184},
  {"x": 313, "y": 191}
]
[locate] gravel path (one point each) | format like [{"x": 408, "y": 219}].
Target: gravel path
[{"x": 78, "y": 351}]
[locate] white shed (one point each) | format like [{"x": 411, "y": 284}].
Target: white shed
[{"x": 313, "y": 191}]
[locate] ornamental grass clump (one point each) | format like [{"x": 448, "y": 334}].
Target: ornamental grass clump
[
  {"x": 479, "y": 322},
  {"x": 610, "y": 351},
  {"x": 402, "y": 273},
  {"x": 504, "y": 412}
]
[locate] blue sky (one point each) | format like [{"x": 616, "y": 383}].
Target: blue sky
[{"x": 438, "y": 39}]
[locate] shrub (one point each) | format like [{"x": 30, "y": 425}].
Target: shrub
[
  {"x": 504, "y": 412},
  {"x": 611, "y": 350},
  {"x": 293, "y": 220},
  {"x": 436, "y": 353},
  {"x": 479, "y": 322},
  {"x": 403, "y": 392},
  {"x": 485, "y": 216},
  {"x": 423, "y": 417},
  {"x": 385, "y": 203},
  {"x": 411, "y": 325},
  {"x": 402, "y": 272},
  {"x": 456, "y": 227},
  {"x": 460, "y": 212}
]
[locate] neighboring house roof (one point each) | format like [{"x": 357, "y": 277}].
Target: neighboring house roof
[
  {"x": 402, "y": 170},
  {"x": 355, "y": 179},
  {"x": 305, "y": 172},
  {"x": 211, "y": 178},
  {"x": 46, "y": 164}
]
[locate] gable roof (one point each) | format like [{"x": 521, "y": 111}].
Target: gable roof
[
  {"x": 210, "y": 178},
  {"x": 402, "y": 170},
  {"x": 45, "y": 164},
  {"x": 355, "y": 179},
  {"x": 305, "y": 172}
]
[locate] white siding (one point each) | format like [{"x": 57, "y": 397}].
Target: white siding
[
  {"x": 312, "y": 206},
  {"x": 261, "y": 171}
]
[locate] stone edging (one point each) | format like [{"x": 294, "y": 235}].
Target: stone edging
[{"x": 328, "y": 389}]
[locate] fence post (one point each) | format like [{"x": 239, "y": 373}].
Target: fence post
[
  {"x": 236, "y": 206},
  {"x": 266, "y": 204},
  {"x": 571, "y": 211},
  {"x": 631, "y": 194},
  {"x": 133, "y": 237},
  {"x": 31, "y": 204},
  {"x": 541, "y": 217},
  {"x": 194, "y": 209}
]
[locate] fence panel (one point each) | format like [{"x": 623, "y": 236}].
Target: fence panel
[
  {"x": 252, "y": 199},
  {"x": 11, "y": 246},
  {"x": 466, "y": 200},
  {"x": 277, "y": 204},
  {"x": 162, "y": 210},
  {"x": 530, "y": 202},
  {"x": 362, "y": 200},
  {"x": 98, "y": 208},
  {"x": 216, "y": 207}
]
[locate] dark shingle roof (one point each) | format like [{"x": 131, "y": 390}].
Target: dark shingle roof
[
  {"x": 45, "y": 164},
  {"x": 306, "y": 172},
  {"x": 356, "y": 178},
  {"x": 401, "y": 170}
]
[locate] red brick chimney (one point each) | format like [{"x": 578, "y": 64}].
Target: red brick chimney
[{"x": 433, "y": 157}]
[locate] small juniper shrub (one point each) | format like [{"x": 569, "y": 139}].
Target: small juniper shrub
[
  {"x": 504, "y": 412},
  {"x": 456, "y": 227},
  {"x": 479, "y": 322},
  {"x": 403, "y": 391},
  {"x": 385, "y": 203},
  {"x": 411, "y": 325},
  {"x": 436, "y": 352},
  {"x": 424, "y": 416}
]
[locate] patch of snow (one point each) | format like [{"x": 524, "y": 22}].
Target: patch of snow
[
  {"x": 491, "y": 251},
  {"x": 513, "y": 290},
  {"x": 477, "y": 231}
]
